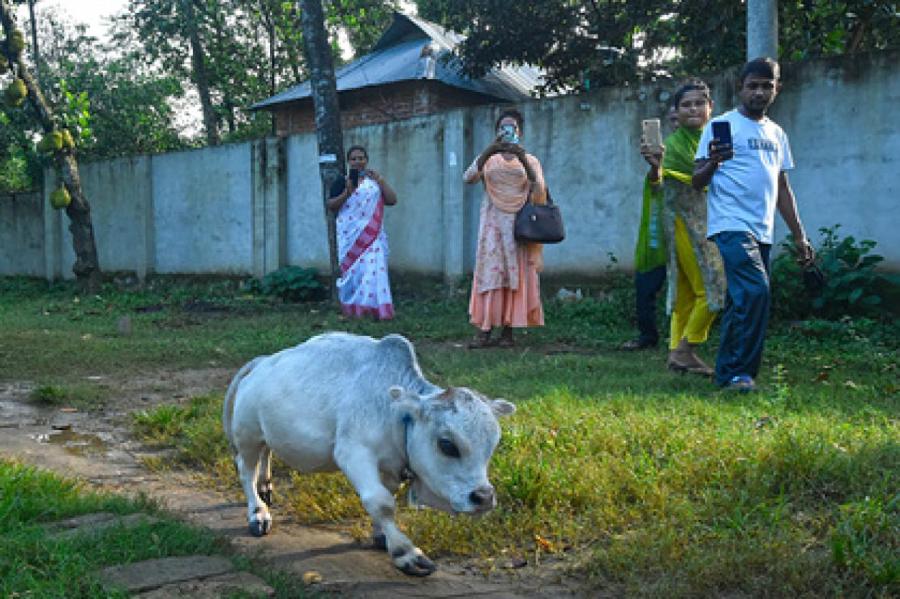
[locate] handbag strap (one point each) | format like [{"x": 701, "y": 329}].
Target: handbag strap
[{"x": 530, "y": 177}]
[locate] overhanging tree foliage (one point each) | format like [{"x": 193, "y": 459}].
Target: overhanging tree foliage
[
  {"x": 112, "y": 102},
  {"x": 238, "y": 52},
  {"x": 583, "y": 43}
]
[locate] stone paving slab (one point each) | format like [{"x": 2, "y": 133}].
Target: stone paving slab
[
  {"x": 91, "y": 524},
  {"x": 94, "y": 519},
  {"x": 213, "y": 588},
  {"x": 155, "y": 573}
]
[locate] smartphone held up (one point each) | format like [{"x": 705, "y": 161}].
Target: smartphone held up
[
  {"x": 651, "y": 135},
  {"x": 508, "y": 134},
  {"x": 721, "y": 132}
]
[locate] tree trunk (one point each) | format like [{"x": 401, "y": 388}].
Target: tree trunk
[
  {"x": 328, "y": 115},
  {"x": 35, "y": 53},
  {"x": 268, "y": 20},
  {"x": 87, "y": 267},
  {"x": 200, "y": 76}
]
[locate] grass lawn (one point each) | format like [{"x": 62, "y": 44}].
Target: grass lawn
[
  {"x": 650, "y": 483},
  {"x": 34, "y": 563}
]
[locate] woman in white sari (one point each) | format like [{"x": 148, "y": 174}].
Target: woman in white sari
[{"x": 363, "y": 288}]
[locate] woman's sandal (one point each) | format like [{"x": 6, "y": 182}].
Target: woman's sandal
[
  {"x": 482, "y": 340},
  {"x": 506, "y": 338}
]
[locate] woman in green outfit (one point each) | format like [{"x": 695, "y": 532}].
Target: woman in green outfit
[{"x": 696, "y": 278}]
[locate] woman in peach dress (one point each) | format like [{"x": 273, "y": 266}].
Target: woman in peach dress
[{"x": 505, "y": 287}]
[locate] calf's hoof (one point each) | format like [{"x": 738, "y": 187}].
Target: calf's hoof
[
  {"x": 414, "y": 563},
  {"x": 260, "y": 528}
]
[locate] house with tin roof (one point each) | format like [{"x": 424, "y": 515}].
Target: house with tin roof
[{"x": 409, "y": 72}]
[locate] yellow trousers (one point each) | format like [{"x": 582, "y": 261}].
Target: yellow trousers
[{"x": 691, "y": 316}]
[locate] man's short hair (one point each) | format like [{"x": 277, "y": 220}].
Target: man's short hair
[
  {"x": 691, "y": 85},
  {"x": 761, "y": 67}
]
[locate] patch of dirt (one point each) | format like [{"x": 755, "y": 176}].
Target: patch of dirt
[{"x": 98, "y": 447}]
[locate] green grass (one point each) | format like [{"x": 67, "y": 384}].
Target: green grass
[
  {"x": 653, "y": 484},
  {"x": 35, "y": 564}
]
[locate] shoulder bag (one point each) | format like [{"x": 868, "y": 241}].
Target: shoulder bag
[{"x": 539, "y": 223}]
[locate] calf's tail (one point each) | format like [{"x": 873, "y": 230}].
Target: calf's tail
[{"x": 228, "y": 407}]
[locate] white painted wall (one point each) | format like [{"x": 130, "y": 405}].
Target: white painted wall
[{"x": 248, "y": 208}]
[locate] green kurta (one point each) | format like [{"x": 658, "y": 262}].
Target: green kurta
[
  {"x": 651, "y": 243},
  {"x": 683, "y": 201}
]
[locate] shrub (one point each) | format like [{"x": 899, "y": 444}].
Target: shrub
[
  {"x": 852, "y": 286},
  {"x": 290, "y": 283}
]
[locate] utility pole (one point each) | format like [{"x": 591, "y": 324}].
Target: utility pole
[
  {"x": 328, "y": 114},
  {"x": 762, "y": 29}
]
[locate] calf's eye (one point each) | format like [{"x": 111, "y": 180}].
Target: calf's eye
[{"x": 448, "y": 448}]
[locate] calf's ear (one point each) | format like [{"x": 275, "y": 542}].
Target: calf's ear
[
  {"x": 501, "y": 407},
  {"x": 407, "y": 402}
]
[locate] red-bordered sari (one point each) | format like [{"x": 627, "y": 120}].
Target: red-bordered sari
[{"x": 364, "y": 288}]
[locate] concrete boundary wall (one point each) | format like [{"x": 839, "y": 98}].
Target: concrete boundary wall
[
  {"x": 249, "y": 208},
  {"x": 21, "y": 234}
]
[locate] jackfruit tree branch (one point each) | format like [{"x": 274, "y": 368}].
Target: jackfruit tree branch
[{"x": 86, "y": 267}]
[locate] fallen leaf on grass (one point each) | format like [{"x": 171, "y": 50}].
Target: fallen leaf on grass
[
  {"x": 311, "y": 577},
  {"x": 763, "y": 421},
  {"x": 543, "y": 543}
]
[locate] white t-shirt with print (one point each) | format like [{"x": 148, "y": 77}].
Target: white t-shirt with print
[{"x": 743, "y": 192}]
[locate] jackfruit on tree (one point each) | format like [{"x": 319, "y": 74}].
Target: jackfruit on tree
[
  {"x": 16, "y": 93},
  {"x": 60, "y": 198},
  {"x": 52, "y": 142},
  {"x": 67, "y": 139},
  {"x": 16, "y": 42}
]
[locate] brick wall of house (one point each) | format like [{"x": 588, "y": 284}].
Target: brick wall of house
[{"x": 382, "y": 104}]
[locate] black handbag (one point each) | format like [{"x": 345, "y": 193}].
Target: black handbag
[{"x": 539, "y": 223}]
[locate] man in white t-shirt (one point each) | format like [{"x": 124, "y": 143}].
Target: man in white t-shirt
[{"x": 746, "y": 182}]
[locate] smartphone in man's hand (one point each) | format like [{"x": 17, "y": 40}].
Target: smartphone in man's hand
[
  {"x": 721, "y": 132},
  {"x": 651, "y": 134}
]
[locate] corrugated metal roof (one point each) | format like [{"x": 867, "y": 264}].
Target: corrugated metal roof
[{"x": 413, "y": 49}]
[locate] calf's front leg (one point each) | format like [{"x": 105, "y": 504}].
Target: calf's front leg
[{"x": 362, "y": 471}]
